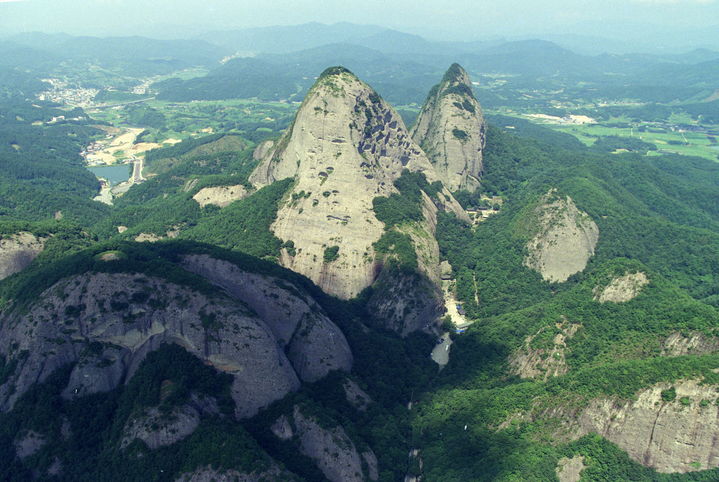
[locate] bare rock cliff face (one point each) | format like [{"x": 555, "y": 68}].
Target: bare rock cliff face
[
  {"x": 315, "y": 345},
  {"x": 544, "y": 363},
  {"x": 331, "y": 449},
  {"x": 451, "y": 130},
  {"x": 565, "y": 240},
  {"x": 670, "y": 433},
  {"x": 678, "y": 344},
  {"x": 345, "y": 147},
  {"x": 407, "y": 302},
  {"x": 131, "y": 315},
  {"x": 18, "y": 251}
]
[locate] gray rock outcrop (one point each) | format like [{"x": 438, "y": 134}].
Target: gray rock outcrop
[
  {"x": 55, "y": 468},
  {"x": 331, "y": 449},
  {"x": 28, "y": 444},
  {"x": 262, "y": 149},
  {"x": 452, "y": 131},
  {"x": 570, "y": 469},
  {"x": 282, "y": 428},
  {"x": 130, "y": 315},
  {"x": 406, "y": 302},
  {"x": 695, "y": 343},
  {"x": 313, "y": 343},
  {"x": 668, "y": 436},
  {"x": 564, "y": 241},
  {"x": 208, "y": 474},
  {"x": 544, "y": 363},
  {"x": 671, "y": 433},
  {"x": 18, "y": 251},
  {"x": 220, "y": 196},
  {"x": 622, "y": 288},
  {"x": 158, "y": 429},
  {"x": 356, "y": 397}
]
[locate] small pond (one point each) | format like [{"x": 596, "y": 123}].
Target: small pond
[{"x": 115, "y": 174}]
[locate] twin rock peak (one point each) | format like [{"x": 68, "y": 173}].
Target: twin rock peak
[{"x": 347, "y": 146}]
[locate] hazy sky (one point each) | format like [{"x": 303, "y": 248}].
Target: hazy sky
[{"x": 447, "y": 18}]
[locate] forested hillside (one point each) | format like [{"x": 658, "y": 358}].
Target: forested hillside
[
  {"x": 43, "y": 173},
  {"x": 541, "y": 351}
]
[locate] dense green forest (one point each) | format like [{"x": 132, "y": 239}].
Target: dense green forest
[{"x": 42, "y": 173}]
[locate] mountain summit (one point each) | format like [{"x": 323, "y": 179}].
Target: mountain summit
[
  {"x": 345, "y": 148},
  {"x": 451, "y": 130}
]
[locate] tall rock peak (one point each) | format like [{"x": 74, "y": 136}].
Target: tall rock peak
[
  {"x": 345, "y": 147},
  {"x": 451, "y": 130},
  {"x": 341, "y": 118}
]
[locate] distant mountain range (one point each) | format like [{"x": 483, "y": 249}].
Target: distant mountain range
[
  {"x": 277, "y": 63},
  {"x": 592, "y": 41},
  {"x": 401, "y": 66},
  {"x": 136, "y": 56}
]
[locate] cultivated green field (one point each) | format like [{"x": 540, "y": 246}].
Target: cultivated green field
[
  {"x": 666, "y": 137},
  {"x": 181, "y": 120},
  {"x": 666, "y": 140}
]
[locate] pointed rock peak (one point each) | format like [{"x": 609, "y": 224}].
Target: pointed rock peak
[
  {"x": 340, "y": 119},
  {"x": 457, "y": 75},
  {"x": 451, "y": 130},
  {"x": 345, "y": 147}
]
